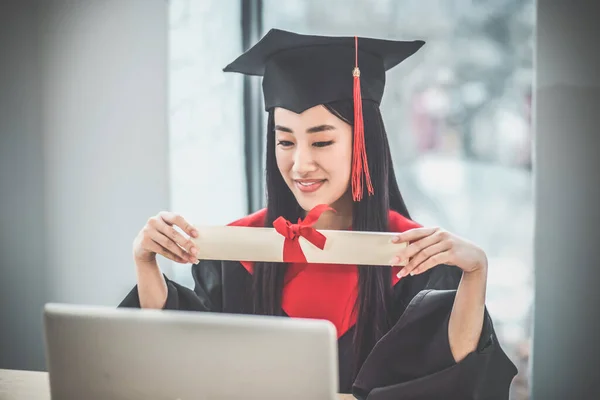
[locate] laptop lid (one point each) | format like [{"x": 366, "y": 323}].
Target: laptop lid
[{"x": 107, "y": 353}]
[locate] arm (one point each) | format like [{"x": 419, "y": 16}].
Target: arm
[
  {"x": 466, "y": 318},
  {"x": 443, "y": 345},
  {"x": 155, "y": 290},
  {"x": 152, "y": 288},
  {"x": 160, "y": 236},
  {"x": 431, "y": 247}
]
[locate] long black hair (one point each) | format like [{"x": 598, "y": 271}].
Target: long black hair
[{"x": 373, "y": 305}]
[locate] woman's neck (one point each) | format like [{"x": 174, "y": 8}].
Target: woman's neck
[
  {"x": 334, "y": 221},
  {"x": 341, "y": 219}
]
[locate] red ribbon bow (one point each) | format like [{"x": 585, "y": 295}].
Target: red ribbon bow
[{"x": 292, "y": 251}]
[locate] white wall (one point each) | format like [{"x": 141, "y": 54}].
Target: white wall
[
  {"x": 565, "y": 356},
  {"x": 84, "y": 155},
  {"x": 105, "y": 140}
]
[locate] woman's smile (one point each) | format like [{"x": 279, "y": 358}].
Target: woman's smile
[{"x": 309, "y": 185}]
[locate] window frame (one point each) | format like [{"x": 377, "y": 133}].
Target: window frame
[{"x": 253, "y": 112}]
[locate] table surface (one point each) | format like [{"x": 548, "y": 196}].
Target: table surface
[{"x": 33, "y": 385}]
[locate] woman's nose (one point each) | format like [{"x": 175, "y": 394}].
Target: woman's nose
[{"x": 303, "y": 161}]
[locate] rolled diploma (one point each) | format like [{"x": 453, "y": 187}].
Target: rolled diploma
[{"x": 236, "y": 243}]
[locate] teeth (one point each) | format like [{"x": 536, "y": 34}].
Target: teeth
[{"x": 308, "y": 183}]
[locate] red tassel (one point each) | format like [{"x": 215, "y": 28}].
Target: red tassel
[{"x": 359, "y": 158}]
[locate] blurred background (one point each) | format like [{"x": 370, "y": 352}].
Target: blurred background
[
  {"x": 458, "y": 115},
  {"x": 112, "y": 111}
]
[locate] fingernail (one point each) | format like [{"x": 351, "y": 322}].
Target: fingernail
[
  {"x": 194, "y": 233},
  {"x": 394, "y": 261},
  {"x": 194, "y": 251},
  {"x": 399, "y": 275},
  {"x": 395, "y": 239}
]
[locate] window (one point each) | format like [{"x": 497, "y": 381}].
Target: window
[{"x": 457, "y": 116}]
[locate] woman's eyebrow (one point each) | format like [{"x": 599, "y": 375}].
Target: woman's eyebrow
[
  {"x": 283, "y": 129},
  {"x": 320, "y": 128},
  {"x": 314, "y": 129}
]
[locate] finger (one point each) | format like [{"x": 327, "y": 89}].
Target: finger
[
  {"x": 428, "y": 252},
  {"x": 168, "y": 244},
  {"x": 431, "y": 262},
  {"x": 423, "y": 255},
  {"x": 178, "y": 220},
  {"x": 413, "y": 234},
  {"x": 158, "y": 249},
  {"x": 418, "y": 246},
  {"x": 172, "y": 233},
  {"x": 166, "y": 253}
]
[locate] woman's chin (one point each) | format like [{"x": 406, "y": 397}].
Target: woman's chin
[
  {"x": 309, "y": 202},
  {"x": 309, "y": 205}
]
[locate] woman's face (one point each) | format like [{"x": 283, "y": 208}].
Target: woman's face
[{"x": 314, "y": 153}]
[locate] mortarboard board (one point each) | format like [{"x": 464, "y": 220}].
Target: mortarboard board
[{"x": 302, "y": 71}]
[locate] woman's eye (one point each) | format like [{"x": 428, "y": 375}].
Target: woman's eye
[
  {"x": 285, "y": 143},
  {"x": 323, "y": 144}
]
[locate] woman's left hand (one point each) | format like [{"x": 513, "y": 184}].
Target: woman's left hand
[{"x": 429, "y": 247}]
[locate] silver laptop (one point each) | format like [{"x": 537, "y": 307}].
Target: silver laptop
[{"x": 107, "y": 353}]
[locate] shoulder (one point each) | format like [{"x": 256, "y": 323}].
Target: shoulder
[
  {"x": 399, "y": 223},
  {"x": 255, "y": 220}
]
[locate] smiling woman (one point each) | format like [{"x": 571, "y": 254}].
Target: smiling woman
[{"x": 419, "y": 332}]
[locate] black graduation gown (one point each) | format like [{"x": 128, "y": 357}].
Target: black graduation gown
[{"x": 412, "y": 361}]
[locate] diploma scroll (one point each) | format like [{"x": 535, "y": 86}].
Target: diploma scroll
[{"x": 235, "y": 243}]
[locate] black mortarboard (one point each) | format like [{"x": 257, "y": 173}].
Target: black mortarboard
[{"x": 302, "y": 71}]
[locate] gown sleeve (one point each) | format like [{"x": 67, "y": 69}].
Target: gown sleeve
[
  {"x": 207, "y": 294},
  {"x": 413, "y": 361}
]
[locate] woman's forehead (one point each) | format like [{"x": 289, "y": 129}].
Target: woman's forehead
[{"x": 314, "y": 114}]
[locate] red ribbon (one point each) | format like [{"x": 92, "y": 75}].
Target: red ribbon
[{"x": 292, "y": 251}]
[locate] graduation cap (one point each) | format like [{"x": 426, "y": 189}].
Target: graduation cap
[{"x": 302, "y": 71}]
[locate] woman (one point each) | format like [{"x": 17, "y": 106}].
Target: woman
[{"x": 417, "y": 331}]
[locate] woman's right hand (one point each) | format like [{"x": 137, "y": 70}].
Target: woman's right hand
[{"x": 159, "y": 236}]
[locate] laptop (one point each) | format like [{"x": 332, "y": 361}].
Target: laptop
[{"x": 106, "y": 353}]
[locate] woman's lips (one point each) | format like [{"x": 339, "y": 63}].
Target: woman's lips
[{"x": 308, "y": 186}]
